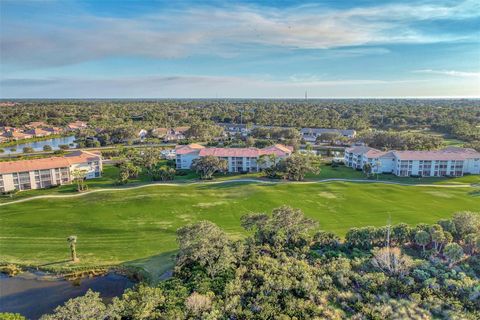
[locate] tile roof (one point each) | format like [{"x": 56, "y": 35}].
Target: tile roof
[
  {"x": 186, "y": 149},
  {"x": 360, "y": 149},
  {"x": 38, "y": 131},
  {"x": 278, "y": 149},
  {"x": 47, "y": 163},
  {"x": 181, "y": 129},
  {"x": 230, "y": 152},
  {"x": 36, "y": 124},
  {"x": 444, "y": 154}
]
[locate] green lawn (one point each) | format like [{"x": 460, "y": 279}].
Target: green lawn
[{"x": 138, "y": 226}]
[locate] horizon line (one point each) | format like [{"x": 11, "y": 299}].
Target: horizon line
[{"x": 246, "y": 98}]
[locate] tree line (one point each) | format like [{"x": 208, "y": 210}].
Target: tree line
[{"x": 118, "y": 118}]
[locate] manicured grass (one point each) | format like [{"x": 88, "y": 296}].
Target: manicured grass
[
  {"x": 110, "y": 176},
  {"x": 138, "y": 226}
]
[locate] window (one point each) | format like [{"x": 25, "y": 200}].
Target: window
[{"x": 21, "y": 181}]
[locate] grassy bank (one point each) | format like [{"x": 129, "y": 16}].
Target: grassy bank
[{"x": 137, "y": 227}]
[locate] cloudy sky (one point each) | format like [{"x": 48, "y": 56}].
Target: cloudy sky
[{"x": 269, "y": 49}]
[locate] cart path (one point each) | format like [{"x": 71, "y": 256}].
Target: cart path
[{"x": 260, "y": 181}]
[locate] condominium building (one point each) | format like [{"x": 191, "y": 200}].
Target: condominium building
[
  {"x": 47, "y": 172},
  {"x": 238, "y": 159},
  {"x": 451, "y": 161}
]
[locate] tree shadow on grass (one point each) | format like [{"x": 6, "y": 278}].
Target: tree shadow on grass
[
  {"x": 158, "y": 267},
  {"x": 230, "y": 184},
  {"x": 475, "y": 193}
]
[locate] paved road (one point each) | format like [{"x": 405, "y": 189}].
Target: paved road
[{"x": 160, "y": 184}]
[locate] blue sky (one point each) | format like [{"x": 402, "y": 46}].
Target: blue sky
[{"x": 259, "y": 49}]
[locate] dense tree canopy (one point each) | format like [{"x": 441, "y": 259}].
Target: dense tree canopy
[
  {"x": 119, "y": 120},
  {"x": 284, "y": 271}
]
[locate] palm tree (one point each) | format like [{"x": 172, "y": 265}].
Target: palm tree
[
  {"x": 453, "y": 252},
  {"x": 72, "y": 241},
  {"x": 422, "y": 238},
  {"x": 79, "y": 176}
]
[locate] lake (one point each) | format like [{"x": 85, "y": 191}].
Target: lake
[
  {"x": 38, "y": 145},
  {"x": 33, "y": 295}
]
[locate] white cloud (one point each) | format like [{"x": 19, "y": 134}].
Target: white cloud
[
  {"x": 452, "y": 73},
  {"x": 223, "y": 31}
]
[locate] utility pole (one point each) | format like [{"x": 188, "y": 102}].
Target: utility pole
[{"x": 306, "y": 96}]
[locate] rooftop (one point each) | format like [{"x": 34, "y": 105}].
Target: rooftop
[
  {"x": 47, "y": 163},
  {"x": 186, "y": 149},
  {"x": 450, "y": 153},
  {"x": 278, "y": 149},
  {"x": 361, "y": 149}
]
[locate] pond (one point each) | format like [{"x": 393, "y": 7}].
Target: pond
[
  {"x": 34, "y": 294},
  {"x": 38, "y": 145}
]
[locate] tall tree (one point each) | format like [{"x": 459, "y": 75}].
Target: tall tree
[
  {"x": 205, "y": 244},
  {"x": 422, "y": 238},
  {"x": 207, "y": 166},
  {"x": 79, "y": 176},
  {"x": 453, "y": 252},
  {"x": 297, "y": 166}
]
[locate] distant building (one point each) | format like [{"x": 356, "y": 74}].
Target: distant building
[
  {"x": 311, "y": 134},
  {"x": 142, "y": 134},
  {"x": 176, "y": 134},
  {"x": 47, "y": 172},
  {"x": 451, "y": 161},
  {"x": 239, "y": 159},
  {"x": 18, "y": 135},
  {"x": 36, "y": 124},
  {"x": 54, "y": 130},
  {"x": 233, "y": 129},
  {"x": 76, "y": 125},
  {"x": 38, "y": 132},
  {"x": 160, "y": 132}
]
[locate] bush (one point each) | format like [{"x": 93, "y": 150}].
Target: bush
[{"x": 11, "y": 316}]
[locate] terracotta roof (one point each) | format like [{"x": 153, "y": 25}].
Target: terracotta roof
[
  {"x": 36, "y": 124},
  {"x": 181, "y": 129},
  {"x": 444, "y": 154},
  {"x": 36, "y": 164},
  {"x": 186, "y": 149},
  {"x": 360, "y": 149},
  {"x": 77, "y": 124},
  {"x": 278, "y": 149},
  {"x": 375, "y": 153},
  {"x": 20, "y": 135},
  {"x": 38, "y": 131},
  {"x": 230, "y": 152},
  {"x": 47, "y": 163}
]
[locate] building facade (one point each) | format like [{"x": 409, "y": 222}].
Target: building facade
[
  {"x": 238, "y": 159},
  {"x": 451, "y": 161},
  {"x": 311, "y": 134},
  {"x": 47, "y": 172}
]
